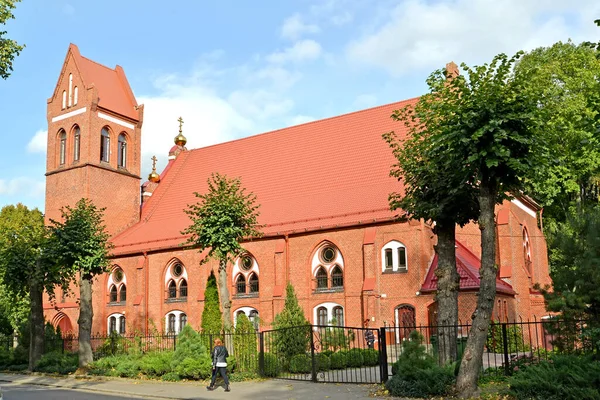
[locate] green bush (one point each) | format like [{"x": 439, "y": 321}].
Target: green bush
[
  {"x": 58, "y": 362},
  {"x": 114, "y": 344},
  {"x": 338, "y": 360},
  {"x": 189, "y": 345},
  {"x": 413, "y": 356},
  {"x": 422, "y": 383},
  {"x": 128, "y": 368},
  {"x": 232, "y": 364},
  {"x": 371, "y": 357},
  {"x": 20, "y": 355},
  {"x": 354, "y": 358},
  {"x": 272, "y": 366},
  {"x": 245, "y": 345},
  {"x": 514, "y": 335},
  {"x": 156, "y": 363},
  {"x": 300, "y": 363},
  {"x": 194, "y": 368},
  {"x": 562, "y": 377},
  {"x": 170, "y": 377},
  {"x": 242, "y": 376},
  {"x": 107, "y": 365},
  {"x": 212, "y": 321},
  {"x": 334, "y": 338},
  {"x": 292, "y": 330},
  {"x": 323, "y": 362}
]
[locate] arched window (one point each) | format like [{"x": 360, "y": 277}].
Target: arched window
[
  {"x": 183, "y": 288},
  {"x": 122, "y": 151},
  {"x": 112, "y": 325},
  {"x": 182, "y": 321},
  {"x": 105, "y": 145},
  {"x": 172, "y": 289},
  {"x": 338, "y": 314},
  {"x": 253, "y": 317},
  {"x": 113, "y": 294},
  {"x": 123, "y": 293},
  {"x": 393, "y": 257},
  {"x": 171, "y": 323},
  {"x": 122, "y": 325},
  {"x": 75, "y": 95},
  {"x": 321, "y": 278},
  {"x": 253, "y": 283},
  {"x": 527, "y": 251},
  {"x": 63, "y": 146},
  {"x": 70, "y": 90},
  {"x": 64, "y": 99},
  {"x": 322, "y": 316},
  {"x": 337, "y": 277},
  {"x": 241, "y": 284},
  {"x": 76, "y": 143}
]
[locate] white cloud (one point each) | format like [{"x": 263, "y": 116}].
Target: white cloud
[
  {"x": 22, "y": 186},
  {"x": 303, "y": 50},
  {"x": 38, "y": 142},
  {"x": 293, "y": 27},
  {"x": 342, "y": 19},
  {"x": 422, "y": 34}
]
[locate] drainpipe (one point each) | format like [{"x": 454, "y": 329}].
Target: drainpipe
[
  {"x": 287, "y": 259},
  {"x": 146, "y": 306}
]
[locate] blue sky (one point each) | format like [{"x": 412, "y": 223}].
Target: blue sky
[{"x": 237, "y": 68}]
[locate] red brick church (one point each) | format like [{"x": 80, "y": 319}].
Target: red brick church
[{"x": 323, "y": 192}]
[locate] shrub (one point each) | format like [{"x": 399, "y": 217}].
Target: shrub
[
  {"x": 354, "y": 358},
  {"x": 156, "y": 363},
  {"x": 189, "y": 345},
  {"x": 272, "y": 366},
  {"x": 194, "y": 368},
  {"x": 171, "y": 377},
  {"x": 244, "y": 344},
  {"x": 413, "y": 356},
  {"x": 128, "y": 368},
  {"x": 212, "y": 321},
  {"x": 371, "y": 357},
  {"x": 242, "y": 376},
  {"x": 422, "y": 383},
  {"x": 323, "y": 362},
  {"x": 57, "y": 362},
  {"x": 300, "y": 363},
  {"x": 334, "y": 338},
  {"x": 515, "y": 341},
  {"x": 338, "y": 360},
  {"x": 5, "y": 357},
  {"x": 231, "y": 364},
  {"x": 20, "y": 355},
  {"x": 114, "y": 344},
  {"x": 562, "y": 377},
  {"x": 292, "y": 328}
]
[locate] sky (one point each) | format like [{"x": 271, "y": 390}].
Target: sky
[{"x": 232, "y": 69}]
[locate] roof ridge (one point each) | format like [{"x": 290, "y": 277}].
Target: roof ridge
[
  {"x": 97, "y": 63},
  {"x": 308, "y": 123}
]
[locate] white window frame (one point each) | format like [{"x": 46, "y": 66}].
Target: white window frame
[
  {"x": 394, "y": 245},
  {"x": 329, "y": 306},
  {"x": 177, "y": 314},
  {"x": 118, "y": 317}
]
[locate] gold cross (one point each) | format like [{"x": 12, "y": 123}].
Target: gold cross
[
  {"x": 180, "y": 120},
  {"x": 154, "y": 159}
]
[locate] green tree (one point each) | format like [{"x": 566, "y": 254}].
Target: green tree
[
  {"x": 223, "y": 217},
  {"x": 293, "y": 329},
  {"x": 490, "y": 121},
  {"x": 565, "y": 79},
  {"x": 80, "y": 244},
  {"x": 15, "y": 306},
  {"x": 435, "y": 190},
  {"x": 211, "y": 315},
  {"x": 9, "y": 48},
  {"x": 26, "y": 268},
  {"x": 245, "y": 344}
]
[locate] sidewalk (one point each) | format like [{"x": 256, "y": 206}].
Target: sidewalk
[{"x": 268, "y": 389}]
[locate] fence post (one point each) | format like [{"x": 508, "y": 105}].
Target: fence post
[
  {"x": 261, "y": 354},
  {"x": 174, "y": 342},
  {"x": 383, "y": 359},
  {"x": 505, "y": 348},
  {"x": 312, "y": 354}
]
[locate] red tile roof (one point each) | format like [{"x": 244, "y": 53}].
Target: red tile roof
[
  {"x": 114, "y": 92},
  {"x": 322, "y": 174},
  {"x": 468, "y": 265}
]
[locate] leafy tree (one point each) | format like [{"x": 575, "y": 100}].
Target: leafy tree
[
  {"x": 434, "y": 189},
  {"x": 80, "y": 244},
  {"x": 244, "y": 344},
  {"x": 15, "y": 306},
  {"x": 293, "y": 329},
  {"x": 565, "y": 79},
  {"x": 490, "y": 121},
  {"x": 9, "y": 48},
  {"x": 26, "y": 268},
  {"x": 211, "y": 315},
  {"x": 223, "y": 216}
]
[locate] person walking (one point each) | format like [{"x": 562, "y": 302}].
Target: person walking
[
  {"x": 219, "y": 356},
  {"x": 369, "y": 335}
]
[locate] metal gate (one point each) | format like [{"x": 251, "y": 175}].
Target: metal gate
[{"x": 336, "y": 354}]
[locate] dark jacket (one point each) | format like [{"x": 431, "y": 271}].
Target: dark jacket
[{"x": 219, "y": 355}]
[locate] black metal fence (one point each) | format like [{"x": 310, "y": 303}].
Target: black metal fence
[{"x": 359, "y": 355}]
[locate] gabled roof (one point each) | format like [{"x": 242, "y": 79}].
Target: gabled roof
[
  {"x": 467, "y": 265},
  {"x": 322, "y": 174},
  {"x": 114, "y": 92}
]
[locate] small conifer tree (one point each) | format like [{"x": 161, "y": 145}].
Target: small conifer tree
[
  {"x": 212, "y": 321},
  {"x": 292, "y": 327},
  {"x": 244, "y": 343}
]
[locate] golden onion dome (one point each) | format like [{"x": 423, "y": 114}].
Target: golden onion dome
[
  {"x": 180, "y": 140},
  {"x": 154, "y": 176}
]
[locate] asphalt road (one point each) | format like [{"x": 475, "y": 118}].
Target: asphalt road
[{"x": 11, "y": 391}]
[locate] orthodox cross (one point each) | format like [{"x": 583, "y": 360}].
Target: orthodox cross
[
  {"x": 180, "y": 120},
  {"x": 154, "y": 159}
]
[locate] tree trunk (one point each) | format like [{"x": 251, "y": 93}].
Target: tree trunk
[
  {"x": 447, "y": 292},
  {"x": 86, "y": 313},
  {"x": 224, "y": 295},
  {"x": 36, "y": 323},
  {"x": 470, "y": 365}
]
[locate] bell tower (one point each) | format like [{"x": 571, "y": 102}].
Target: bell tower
[{"x": 94, "y": 142}]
